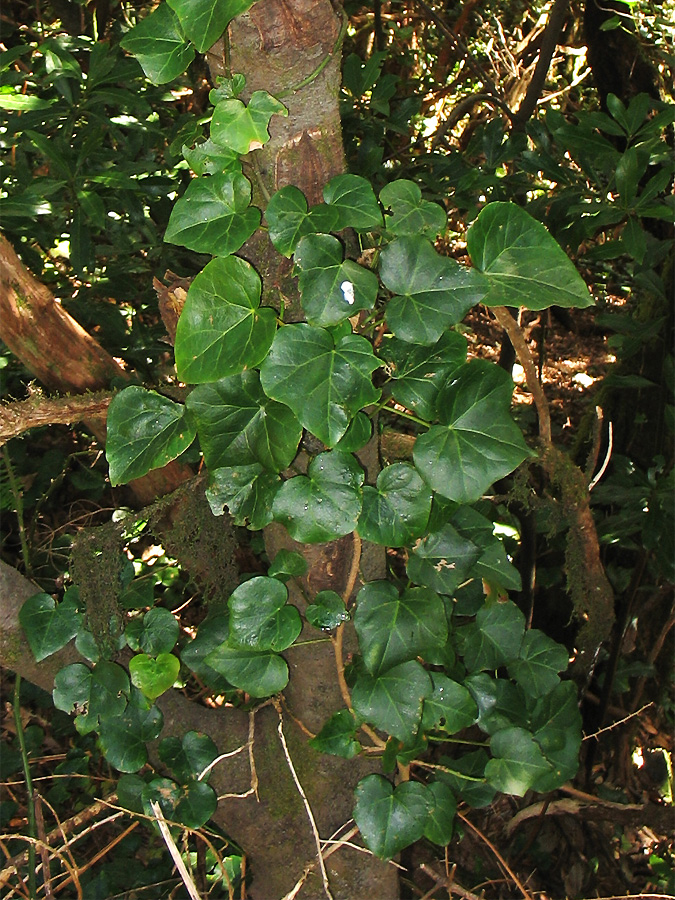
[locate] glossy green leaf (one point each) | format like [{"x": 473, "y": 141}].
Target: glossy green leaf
[
  {"x": 204, "y": 21},
  {"x": 501, "y": 703},
  {"x": 89, "y": 693},
  {"x": 145, "y": 431},
  {"x": 406, "y": 213},
  {"x": 49, "y": 626},
  {"x": 260, "y": 617},
  {"x": 324, "y": 504},
  {"x": 523, "y": 263},
  {"x": 432, "y": 291},
  {"x": 517, "y": 761},
  {"x": 389, "y": 818},
  {"x": 495, "y": 637},
  {"x": 158, "y": 43},
  {"x": 260, "y": 674},
  {"x": 288, "y": 219},
  {"x": 397, "y": 510},
  {"x": 153, "y": 675},
  {"x": 338, "y": 736},
  {"x": 15, "y": 101},
  {"x": 158, "y": 632},
  {"x": 189, "y": 756},
  {"x": 123, "y": 739},
  {"x": 207, "y": 158},
  {"x": 450, "y": 707},
  {"x": 358, "y": 433},
  {"x": 247, "y": 491},
  {"x": 442, "y": 560},
  {"x": 477, "y": 441},
  {"x": 242, "y": 127},
  {"x": 393, "y": 701},
  {"x": 212, "y": 632},
  {"x": 196, "y": 804},
  {"x": 539, "y": 661},
  {"x": 324, "y": 382},
  {"x": 465, "y": 777},
  {"x": 556, "y": 724},
  {"x": 442, "y": 809},
  {"x": 331, "y": 289},
  {"x": 287, "y": 564},
  {"x": 395, "y": 629},
  {"x": 420, "y": 372},
  {"x": 327, "y": 611},
  {"x": 493, "y": 564},
  {"x": 352, "y": 198},
  {"x": 214, "y": 215},
  {"x": 222, "y": 330},
  {"x": 239, "y": 425}
]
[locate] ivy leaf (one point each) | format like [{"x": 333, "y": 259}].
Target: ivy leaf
[
  {"x": 556, "y": 724},
  {"x": 154, "y": 676},
  {"x": 389, "y": 818},
  {"x": 288, "y": 564},
  {"x": 493, "y": 564},
  {"x": 221, "y": 330},
  {"x": 327, "y": 611},
  {"x": 338, "y": 736},
  {"x": 196, "y": 804},
  {"x": 442, "y": 809},
  {"x": 432, "y": 291},
  {"x": 204, "y": 21},
  {"x": 247, "y": 491},
  {"x": 243, "y": 128},
  {"x": 357, "y": 435},
  {"x": 159, "y": 632},
  {"x": 189, "y": 756},
  {"x": 450, "y": 707},
  {"x": 260, "y": 617},
  {"x": 214, "y": 215},
  {"x": 477, "y": 442},
  {"x": 398, "y": 509},
  {"x": 332, "y": 289},
  {"x": 406, "y": 213},
  {"x": 288, "y": 219},
  {"x": 239, "y": 425},
  {"x": 395, "y": 629},
  {"x": 420, "y": 372},
  {"x": 260, "y": 674},
  {"x": 393, "y": 701},
  {"x": 523, "y": 263},
  {"x": 352, "y": 198},
  {"x": 158, "y": 43},
  {"x": 466, "y": 778},
  {"x": 123, "y": 738},
  {"x": 442, "y": 560},
  {"x": 89, "y": 693},
  {"x": 325, "y": 383},
  {"x": 517, "y": 761},
  {"x": 324, "y": 504},
  {"x": 495, "y": 637},
  {"x": 539, "y": 661},
  {"x": 212, "y": 632},
  {"x": 207, "y": 158},
  {"x": 501, "y": 703},
  {"x": 49, "y": 626},
  {"x": 145, "y": 431}
]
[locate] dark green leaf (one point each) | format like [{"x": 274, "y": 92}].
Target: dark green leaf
[
  {"x": 442, "y": 560},
  {"x": 189, "y": 756},
  {"x": 539, "y": 661},
  {"x": 89, "y": 693},
  {"x": 450, "y": 707},
  {"x": 288, "y": 219},
  {"x": 493, "y": 564},
  {"x": 393, "y": 701},
  {"x": 242, "y": 128},
  {"x": 443, "y": 807},
  {"x": 327, "y": 611},
  {"x": 260, "y": 674},
  {"x": 352, "y": 197},
  {"x": 517, "y": 761},
  {"x": 338, "y": 736},
  {"x": 406, "y": 213},
  {"x": 197, "y": 803},
  {"x": 260, "y": 617},
  {"x": 159, "y": 632},
  {"x": 495, "y": 637},
  {"x": 287, "y": 564},
  {"x": 501, "y": 703},
  {"x": 398, "y": 509},
  {"x": 123, "y": 738},
  {"x": 204, "y": 21},
  {"x": 213, "y": 632},
  {"x": 247, "y": 491},
  {"x": 390, "y": 819},
  {"x": 466, "y": 778},
  {"x": 49, "y": 626},
  {"x": 158, "y": 43}
]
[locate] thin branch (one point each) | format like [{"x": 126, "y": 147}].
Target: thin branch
[
  {"x": 587, "y": 737},
  {"x": 556, "y": 20},
  {"x": 502, "y": 862},
  {"x": 21, "y": 416},
  {"x": 174, "y": 851}
]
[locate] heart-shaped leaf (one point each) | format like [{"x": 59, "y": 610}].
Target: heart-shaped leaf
[
  {"x": 324, "y": 382},
  {"x": 214, "y": 215},
  {"x": 153, "y": 675},
  {"x": 260, "y": 674},
  {"x": 289, "y": 220},
  {"x": 242, "y": 128},
  {"x": 517, "y": 761},
  {"x": 213, "y": 631},
  {"x": 156, "y": 632},
  {"x": 222, "y": 330},
  {"x": 49, "y": 626},
  {"x": 442, "y": 560},
  {"x": 145, "y": 431},
  {"x": 247, "y": 491},
  {"x": 123, "y": 739},
  {"x": 398, "y": 509},
  {"x": 239, "y": 425},
  {"x": 288, "y": 564},
  {"x": 493, "y": 564},
  {"x": 89, "y": 693},
  {"x": 465, "y": 777},
  {"x": 450, "y": 707},
  {"x": 395, "y": 629},
  {"x": 158, "y": 43},
  {"x": 197, "y": 803},
  {"x": 432, "y": 291},
  {"x": 204, "y": 21},
  {"x": 442, "y": 809},
  {"x": 332, "y": 290},
  {"x": 338, "y": 736},
  {"x": 523, "y": 263},
  {"x": 327, "y": 611},
  {"x": 260, "y": 617},
  {"x": 407, "y": 213},
  {"x": 189, "y": 756},
  {"x": 393, "y": 701},
  {"x": 324, "y": 504},
  {"x": 539, "y": 661},
  {"x": 477, "y": 442},
  {"x": 389, "y": 818},
  {"x": 495, "y": 637},
  {"x": 501, "y": 703},
  {"x": 352, "y": 198}
]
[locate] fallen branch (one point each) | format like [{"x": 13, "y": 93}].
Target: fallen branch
[{"x": 21, "y": 416}]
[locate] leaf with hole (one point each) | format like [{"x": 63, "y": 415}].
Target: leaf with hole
[
  {"x": 397, "y": 510},
  {"x": 248, "y": 492},
  {"x": 91, "y": 693},
  {"x": 389, "y": 818},
  {"x": 393, "y": 701},
  {"x": 260, "y": 617},
  {"x": 49, "y": 626},
  {"x": 160, "y": 46},
  {"x": 242, "y": 127},
  {"x": 450, "y": 707}
]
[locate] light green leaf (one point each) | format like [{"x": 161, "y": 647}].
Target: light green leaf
[
  {"x": 260, "y": 674},
  {"x": 523, "y": 264},
  {"x": 324, "y": 383},
  {"x": 49, "y": 626},
  {"x": 406, "y": 213},
  {"x": 432, "y": 291},
  {"x": 517, "y": 761},
  {"x": 158, "y": 43},
  {"x": 450, "y": 707},
  {"x": 395, "y": 629},
  {"x": 338, "y": 736},
  {"x": 352, "y": 198},
  {"x": 239, "y": 425},
  {"x": 495, "y": 637},
  {"x": 442, "y": 560},
  {"x": 389, "y": 818},
  {"x": 145, "y": 431},
  {"x": 397, "y": 510},
  {"x": 222, "y": 330},
  {"x": 204, "y": 21},
  {"x": 207, "y": 158},
  {"x": 260, "y": 617},
  {"x": 247, "y": 491},
  {"x": 214, "y": 215},
  {"x": 327, "y": 611},
  {"x": 539, "y": 661},
  {"x": 477, "y": 442},
  {"x": 154, "y": 676},
  {"x": 15, "y": 102},
  {"x": 242, "y": 128},
  {"x": 393, "y": 701},
  {"x": 324, "y": 504},
  {"x": 332, "y": 289}
]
